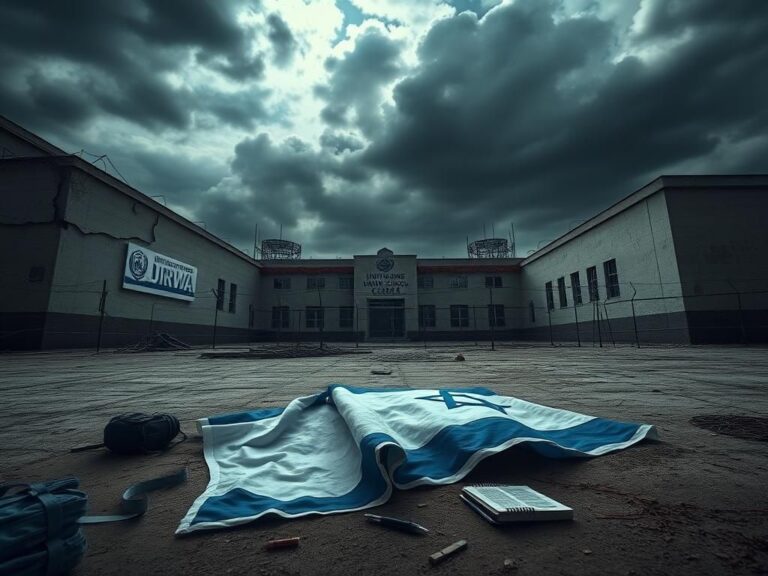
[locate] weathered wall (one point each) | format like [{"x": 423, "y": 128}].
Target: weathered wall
[
  {"x": 29, "y": 236},
  {"x": 639, "y": 238},
  {"x": 100, "y": 221},
  {"x": 721, "y": 237}
]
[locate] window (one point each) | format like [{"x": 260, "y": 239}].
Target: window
[
  {"x": 561, "y": 292},
  {"x": 222, "y": 287},
  {"x": 532, "y": 310},
  {"x": 550, "y": 296},
  {"x": 493, "y": 281},
  {"x": 427, "y": 316},
  {"x": 594, "y": 289},
  {"x": 458, "y": 282},
  {"x": 611, "y": 279},
  {"x": 576, "y": 289},
  {"x": 280, "y": 317},
  {"x": 425, "y": 282},
  {"x": 459, "y": 315},
  {"x": 346, "y": 316},
  {"x": 315, "y": 283},
  {"x": 496, "y": 315},
  {"x": 314, "y": 315},
  {"x": 282, "y": 283},
  {"x": 346, "y": 282},
  {"x": 232, "y": 297}
]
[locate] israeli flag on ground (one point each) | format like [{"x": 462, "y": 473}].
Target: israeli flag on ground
[{"x": 345, "y": 449}]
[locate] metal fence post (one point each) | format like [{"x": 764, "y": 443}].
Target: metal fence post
[
  {"x": 576, "y": 315},
  {"x": 634, "y": 317},
  {"x": 492, "y": 320},
  {"x": 102, "y": 307},
  {"x": 215, "y": 317},
  {"x": 549, "y": 319}
]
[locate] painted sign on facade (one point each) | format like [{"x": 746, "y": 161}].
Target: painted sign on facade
[
  {"x": 385, "y": 281},
  {"x": 152, "y": 273}
]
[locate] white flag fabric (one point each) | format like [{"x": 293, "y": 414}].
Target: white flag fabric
[{"x": 346, "y": 448}]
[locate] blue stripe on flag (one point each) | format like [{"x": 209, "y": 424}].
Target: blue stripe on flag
[
  {"x": 442, "y": 457},
  {"x": 240, "y": 417},
  {"x": 360, "y": 390},
  {"x": 239, "y": 503},
  {"x": 447, "y": 452}
]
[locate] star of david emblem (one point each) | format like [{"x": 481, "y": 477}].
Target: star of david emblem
[{"x": 460, "y": 399}]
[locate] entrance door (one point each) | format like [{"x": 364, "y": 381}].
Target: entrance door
[{"x": 386, "y": 318}]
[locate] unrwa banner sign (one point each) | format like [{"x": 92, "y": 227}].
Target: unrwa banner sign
[{"x": 153, "y": 273}]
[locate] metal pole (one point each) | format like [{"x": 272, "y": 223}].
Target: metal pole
[
  {"x": 744, "y": 339},
  {"x": 608, "y": 320},
  {"x": 492, "y": 320},
  {"x": 549, "y": 319},
  {"x": 298, "y": 332},
  {"x": 322, "y": 316},
  {"x": 474, "y": 321},
  {"x": 357, "y": 327},
  {"x": 576, "y": 315},
  {"x": 634, "y": 317},
  {"x": 599, "y": 328},
  {"x": 102, "y": 307},
  {"x": 215, "y": 317},
  {"x": 280, "y": 318},
  {"x": 151, "y": 318}
]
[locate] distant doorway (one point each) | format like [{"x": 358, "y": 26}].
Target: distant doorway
[{"x": 386, "y": 318}]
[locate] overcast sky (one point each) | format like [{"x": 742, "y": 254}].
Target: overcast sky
[{"x": 357, "y": 124}]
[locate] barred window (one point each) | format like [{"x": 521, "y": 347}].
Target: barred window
[
  {"x": 282, "y": 283},
  {"x": 315, "y": 282},
  {"x": 493, "y": 281},
  {"x": 496, "y": 315},
  {"x": 576, "y": 288},
  {"x": 594, "y": 289},
  {"x": 427, "y": 316},
  {"x": 561, "y": 292},
  {"x": 220, "y": 290},
  {"x": 611, "y": 279},
  {"x": 550, "y": 296},
  {"x": 459, "y": 316},
  {"x": 280, "y": 317},
  {"x": 425, "y": 282},
  {"x": 314, "y": 317},
  {"x": 232, "y": 297},
  {"x": 346, "y": 282},
  {"x": 458, "y": 282}
]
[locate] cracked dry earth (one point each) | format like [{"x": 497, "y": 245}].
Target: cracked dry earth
[{"x": 694, "y": 503}]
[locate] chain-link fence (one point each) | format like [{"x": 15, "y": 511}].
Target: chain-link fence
[{"x": 98, "y": 318}]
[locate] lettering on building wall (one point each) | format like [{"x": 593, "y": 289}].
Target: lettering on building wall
[
  {"x": 385, "y": 283},
  {"x": 152, "y": 273}
]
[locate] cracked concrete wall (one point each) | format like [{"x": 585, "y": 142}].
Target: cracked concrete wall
[{"x": 28, "y": 236}]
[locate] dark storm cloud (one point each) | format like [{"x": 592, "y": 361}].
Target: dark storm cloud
[
  {"x": 283, "y": 42},
  {"x": 518, "y": 116},
  {"x": 353, "y": 93},
  {"x": 113, "y": 57}
]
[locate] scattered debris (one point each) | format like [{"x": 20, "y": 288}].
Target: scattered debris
[
  {"x": 746, "y": 427},
  {"x": 459, "y": 357},
  {"x": 282, "y": 543},
  {"x": 269, "y": 353},
  {"x": 158, "y": 342},
  {"x": 454, "y": 548}
]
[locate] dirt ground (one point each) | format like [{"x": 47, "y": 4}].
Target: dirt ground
[{"x": 694, "y": 503}]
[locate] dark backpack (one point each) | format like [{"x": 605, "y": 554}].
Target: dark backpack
[
  {"x": 39, "y": 530},
  {"x": 138, "y": 433}
]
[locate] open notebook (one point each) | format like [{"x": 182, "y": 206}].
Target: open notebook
[{"x": 501, "y": 503}]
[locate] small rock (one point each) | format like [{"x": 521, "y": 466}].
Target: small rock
[
  {"x": 509, "y": 564},
  {"x": 587, "y": 551},
  {"x": 655, "y": 390},
  {"x": 459, "y": 358},
  {"x": 422, "y": 505}
]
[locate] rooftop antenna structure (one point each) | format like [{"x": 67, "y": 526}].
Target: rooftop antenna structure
[
  {"x": 488, "y": 248},
  {"x": 279, "y": 249}
]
